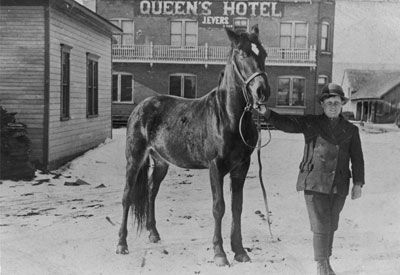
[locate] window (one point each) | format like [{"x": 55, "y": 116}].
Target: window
[
  {"x": 293, "y": 35},
  {"x": 322, "y": 81},
  {"x": 182, "y": 85},
  {"x": 126, "y": 37},
  {"x": 325, "y": 34},
  {"x": 291, "y": 91},
  {"x": 241, "y": 24},
  {"x": 122, "y": 88},
  {"x": 183, "y": 33},
  {"x": 92, "y": 72},
  {"x": 65, "y": 81}
]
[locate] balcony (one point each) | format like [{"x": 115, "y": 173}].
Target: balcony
[{"x": 207, "y": 55}]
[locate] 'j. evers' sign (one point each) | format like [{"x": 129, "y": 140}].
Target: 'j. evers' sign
[{"x": 213, "y": 13}]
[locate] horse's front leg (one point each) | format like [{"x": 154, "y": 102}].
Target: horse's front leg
[
  {"x": 217, "y": 174},
  {"x": 238, "y": 176}
]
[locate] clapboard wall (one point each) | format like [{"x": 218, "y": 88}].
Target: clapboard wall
[
  {"x": 22, "y": 77},
  {"x": 32, "y": 34},
  {"x": 79, "y": 133}
]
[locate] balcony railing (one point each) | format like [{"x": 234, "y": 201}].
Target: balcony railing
[{"x": 206, "y": 55}]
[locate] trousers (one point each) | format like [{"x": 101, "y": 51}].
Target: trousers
[{"x": 323, "y": 211}]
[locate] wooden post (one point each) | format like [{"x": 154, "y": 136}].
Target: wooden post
[{"x": 362, "y": 110}]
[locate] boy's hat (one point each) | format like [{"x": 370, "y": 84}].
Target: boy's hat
[{"x": 332, "y": 89}]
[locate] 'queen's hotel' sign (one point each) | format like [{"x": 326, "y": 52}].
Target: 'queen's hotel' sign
[{"x": 209, "y": 13}]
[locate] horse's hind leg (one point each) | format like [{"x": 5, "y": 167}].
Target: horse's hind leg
[
  {"x": 238, "y": 176},
  {"x": 136, "y": 156},
  {"x": 159, "y": 171}
]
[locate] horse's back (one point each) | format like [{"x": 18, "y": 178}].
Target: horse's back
[
  {"x": 177, "y": 129},
  {"x": 162, "y": 107}
]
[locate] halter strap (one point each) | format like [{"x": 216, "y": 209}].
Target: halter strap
[
  {"x": 246, "y": 82},
  {"x": 248, "y": 107}
]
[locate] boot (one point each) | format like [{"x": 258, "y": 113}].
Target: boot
[
  {"x": 322, "y": 267},
  {"x": 330, "y": 270},
  {"x": 331, "y": 235}
]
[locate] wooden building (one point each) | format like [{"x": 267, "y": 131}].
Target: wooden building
[
  {"x": 374, "y": 95},
  {"x": 180, "y": 48},
  {"x": 56, "y": 74}
]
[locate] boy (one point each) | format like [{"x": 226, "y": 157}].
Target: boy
[{"x": 330, "y": 143}]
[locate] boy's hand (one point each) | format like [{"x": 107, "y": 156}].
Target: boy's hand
[
  {"x": 261, "y": 108},
  {"x": 356, "y": 192}
]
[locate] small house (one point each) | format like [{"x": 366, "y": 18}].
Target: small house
[
  {"x": 374, "y": 95},
  {"x": 56, "y": 75}
]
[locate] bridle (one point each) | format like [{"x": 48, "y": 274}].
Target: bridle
[
  {"x": 246, "y": 94},
  {"x": 246, "y": 82}
]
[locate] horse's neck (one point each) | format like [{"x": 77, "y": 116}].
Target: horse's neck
[{"x": 232, "y": 95}]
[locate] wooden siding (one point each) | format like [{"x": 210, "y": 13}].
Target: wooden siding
[
  {"x": 74, "y": 136},
  {"x": 22, "y": 59}
]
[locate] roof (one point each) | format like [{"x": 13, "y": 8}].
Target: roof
[
  {"x": 370, "y": 84},
  {"x": 357, "y": 78},
  {"x": 86, "y": 14},
  {"x": 73, "y": 9}
]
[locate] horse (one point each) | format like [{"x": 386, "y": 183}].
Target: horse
[{"x": 201, "y": 133}]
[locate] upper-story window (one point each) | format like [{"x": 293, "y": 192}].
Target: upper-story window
[
  {"x": 291, "y": 91},
  {"x": 294, "y": 35},
  {"x": 184, "y": 33},
  {"x": 325, "y": 34},
  {"x": 126, "y": 37},
  {"x": 183, "y": 85},
  {"x": 122, "y": 88},
  {"x": 241, "y": 24}
]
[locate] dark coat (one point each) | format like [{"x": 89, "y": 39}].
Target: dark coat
[{"x": 329, "y": 147}]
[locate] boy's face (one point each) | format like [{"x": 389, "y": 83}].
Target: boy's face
[{"x": 332, "y": 106}]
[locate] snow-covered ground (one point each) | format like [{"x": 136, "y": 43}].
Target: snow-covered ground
[{"x": 48, "y": 227}]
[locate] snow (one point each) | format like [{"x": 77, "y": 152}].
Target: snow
[{"x": 51, "y": 228}]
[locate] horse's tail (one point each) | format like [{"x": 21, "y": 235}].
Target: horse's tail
[{"x": 140, "y": 200}]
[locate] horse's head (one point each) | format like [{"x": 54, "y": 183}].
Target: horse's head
[{"x": 248, "y": 59}]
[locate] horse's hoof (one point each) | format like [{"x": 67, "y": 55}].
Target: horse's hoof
[
  {"x": 154, "y": 238},
  {"x": 122, "y": 249},
  {"x": 221, "y": 261},
  {"x": 242, "y": 258}
]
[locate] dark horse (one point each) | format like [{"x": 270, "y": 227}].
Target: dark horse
[{"x": 198, "y": 134}]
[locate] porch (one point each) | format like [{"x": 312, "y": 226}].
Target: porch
[
  {"x": 207, "y": 55},
  {"x": 376, "y": 111}
]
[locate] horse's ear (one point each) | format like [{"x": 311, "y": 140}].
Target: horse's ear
[
  {"x": 233, "y": 36},
  {"x": 254, "y": 30}
]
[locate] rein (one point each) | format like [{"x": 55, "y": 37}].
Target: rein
[{"x": 248, "y": 108}]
